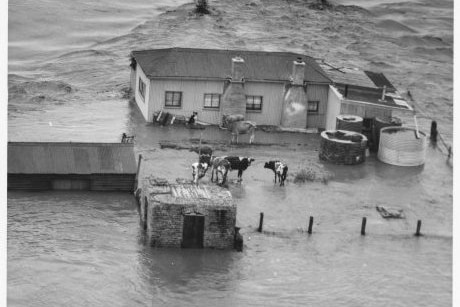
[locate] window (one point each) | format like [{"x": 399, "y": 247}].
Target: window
[
  {"x": 142, "y": 88},
  {"x": 211, "y": 101},
  {"x": 313, "y": 106},
  {"x": 254, "y": 103},
  {"x": 173, "y": 99}
]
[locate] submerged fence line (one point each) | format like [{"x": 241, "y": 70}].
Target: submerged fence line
[{"x": 363, "y": 226}]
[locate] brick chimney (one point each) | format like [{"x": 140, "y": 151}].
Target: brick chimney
[
  {"x": 298, "y": 72},
  {"x": 234, "y": 97},
  {"x": 295, "y": 99}
]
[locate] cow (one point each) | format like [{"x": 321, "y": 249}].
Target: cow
[
  {"x": 242, "y": 127},
  {"x": 240, "y": 164},
  {"x": 228, "y": 119},
  {"x": 198, "y": 171},
  {"x": 279, "y": 168},
  {"x": 219, "y": 165}
]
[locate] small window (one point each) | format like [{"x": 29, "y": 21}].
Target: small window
[
  {"x": 173, "y": 99},
  {"x": 313, "y": 106},
  {"x": 254, "y": 103},
  {"x": 142, "y": 88},
  {"x": 211, "y": 101}
]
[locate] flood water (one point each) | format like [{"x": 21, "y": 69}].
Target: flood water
[{"x": 67, "y": 80}]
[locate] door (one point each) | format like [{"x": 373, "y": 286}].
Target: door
[{"x": 193, "y": 231}]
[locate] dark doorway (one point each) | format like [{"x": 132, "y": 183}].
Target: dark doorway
[{"x": 192, "y": 235}]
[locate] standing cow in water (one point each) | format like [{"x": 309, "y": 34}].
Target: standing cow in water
[
  {"x": 219, "y": 165},
  {"x": 242, "y": 127},
  {"x": 240, "y": 164},
  {"x": 279, "y": 168},
  {"x": 198, "y": 171}
]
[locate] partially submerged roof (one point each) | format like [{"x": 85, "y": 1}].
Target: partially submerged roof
[
  {"x": 71, "y": 158},
  {"x": 216, "y": 64}
]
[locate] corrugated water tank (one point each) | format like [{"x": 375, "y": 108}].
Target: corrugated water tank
[{"x": 402, "y": 146}]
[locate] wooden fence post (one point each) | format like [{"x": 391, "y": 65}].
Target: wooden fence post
[
  {"x": 261, "y": 221},
  {"x": 419, "y": 225},
  {"x": 310, "y": 225},
  {"x": 363, "y": 227}
]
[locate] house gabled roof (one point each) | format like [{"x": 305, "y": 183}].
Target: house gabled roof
[
  {"x": 71, "y": 158},
  {"x": 188, "y": 63}
]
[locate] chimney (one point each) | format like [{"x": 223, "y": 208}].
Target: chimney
[
  {"x": 234, "y": 97},
  {"x": 237, "y": 69},
  {"x": 298, "y": 72},
  {"x": 384, "y": 90},
  {"x": 345, "y": 94},
  {"x": 294, "y": 112}
]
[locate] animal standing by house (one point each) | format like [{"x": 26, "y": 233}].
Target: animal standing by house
[
  {"x": 242, "y": 127},
  {"x": 240, "y": 164},
  {"x": 279, "y": 168},
  {"x": 228, "y": 119}
]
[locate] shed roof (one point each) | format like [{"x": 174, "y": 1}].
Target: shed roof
[
  {"x": 372, "y": 96},
  {"x": 71, "y": 158},
  {"x": 216, "y": 64}
]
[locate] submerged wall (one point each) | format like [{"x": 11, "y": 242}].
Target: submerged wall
[{"x": 172, "y": 213}]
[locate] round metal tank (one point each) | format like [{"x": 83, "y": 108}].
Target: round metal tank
[
  {"x": 343, "y": 147},
  {"x": 400, "y": 146},
  {"x": 349, "y": 123},
  {"x": 382, "y": 122}
]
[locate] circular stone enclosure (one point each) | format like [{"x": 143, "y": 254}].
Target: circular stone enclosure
[
  {"x": 400, "y": 146},
  {"x": 343, "y": 147},
  {"x": 349, "y": 123}
]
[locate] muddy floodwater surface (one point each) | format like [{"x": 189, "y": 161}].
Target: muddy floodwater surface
[
  {"x": 70, "y": 248},
  {"x": 68, "y": 81}
]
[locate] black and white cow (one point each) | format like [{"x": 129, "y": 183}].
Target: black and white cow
[
  {"x": 240, "y": 164},
  {"x": 219, "y": 165},
  {"x": 279, "y": 168},
  {"x": 198, "y": 171}
]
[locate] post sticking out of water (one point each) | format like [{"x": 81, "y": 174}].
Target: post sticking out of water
[
  {"x": 261, "y": 221},
  {"x": 310, "y": 225},
  {"x": 434, "y": 131},
  {"x": 419, "y": 225},
  {"x": 449, "y": 152},
  {"x": 417, "y": 135},
  {"x": 136, "y": 180},
  {"x": 363, "y": 227}
]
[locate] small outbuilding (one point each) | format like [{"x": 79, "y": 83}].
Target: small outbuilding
[
  {"x": 71, "y": 166},
  {"x": 186, "y": 215}
]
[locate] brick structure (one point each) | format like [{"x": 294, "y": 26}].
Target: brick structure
[
  {"x": 343, "y": 147},
  {"x": 186, "y": 215}
]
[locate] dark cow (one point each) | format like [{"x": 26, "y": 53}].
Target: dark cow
[
  {"x": 240, "y": 164},
  {"x": 279, "y": 168},
  {"x": 198, "y": 171},
  {"x": 219, "y": 165}
]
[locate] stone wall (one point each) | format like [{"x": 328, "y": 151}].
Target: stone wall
[{"x": 163, "y": 207}]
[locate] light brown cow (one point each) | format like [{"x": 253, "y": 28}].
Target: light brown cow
[{"x": 242, "y": 127}]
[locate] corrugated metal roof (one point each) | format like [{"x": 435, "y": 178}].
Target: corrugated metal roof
[
  {"x": 380, "y": 80},
  {"x": 373, "y": 96},
  {"x": 348, "y": 76},
  {"x": 216, "y": 64},
  {"x": 71, "y": 158}
]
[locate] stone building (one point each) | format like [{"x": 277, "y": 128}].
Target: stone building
[{"x": 188, "y": 216}]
